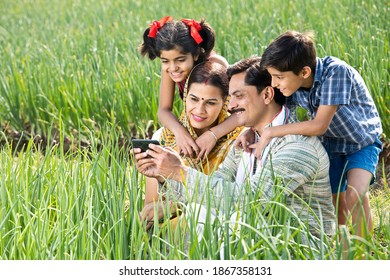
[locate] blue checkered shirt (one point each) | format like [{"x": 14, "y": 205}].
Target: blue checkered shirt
[{"x": 356, "y": 122}]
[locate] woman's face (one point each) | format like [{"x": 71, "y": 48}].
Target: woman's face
[
  {"x": 177, "y": 64},
  {"x": 203, "y": 105}
]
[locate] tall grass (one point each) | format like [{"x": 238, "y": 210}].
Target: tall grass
[
  {"x": 79, "y": 59},
  {"x": 85, "y": 205},
  {"x": 73, "y": 67},
  {"x": 55, "y": 206}
]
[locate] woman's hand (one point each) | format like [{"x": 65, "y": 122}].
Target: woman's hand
[{"x": 156, "y": 210}]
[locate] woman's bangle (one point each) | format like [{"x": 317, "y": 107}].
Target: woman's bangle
[{"x": 215, "y": 136}]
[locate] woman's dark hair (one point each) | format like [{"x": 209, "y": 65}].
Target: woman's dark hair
[
  {"x": 255, "y": 76},
  {"x": 210, "y": 73},
  {"x": 176, "y": 34}
]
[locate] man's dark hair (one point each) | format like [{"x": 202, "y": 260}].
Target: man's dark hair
[
  {"x": 255, "y": 76},
  {"x": 291, "y": 51}
]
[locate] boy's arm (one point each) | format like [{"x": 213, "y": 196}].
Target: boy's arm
[{"x": 315, "y": 127}]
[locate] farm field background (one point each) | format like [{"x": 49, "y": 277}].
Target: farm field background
[{"x": 74, "y": 90}]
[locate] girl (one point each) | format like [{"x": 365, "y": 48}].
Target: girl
[
  {"x": 181, "y": 45},
  {"x": 205, "y": 106}
]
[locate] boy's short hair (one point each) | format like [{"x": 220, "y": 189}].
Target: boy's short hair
[
  {"x": 291, "y": 51},
  {"x": 255, "y": 76}
]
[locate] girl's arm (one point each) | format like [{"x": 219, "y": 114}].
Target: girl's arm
[
  {"x": 185, "y": 144},
  {"x": 166, "y": 98},
  {"x": 219, "y": 59},
  {"x": 207, "y": 140},
  {"x": 315, "y": 127}
]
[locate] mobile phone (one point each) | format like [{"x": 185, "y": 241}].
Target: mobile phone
[{"x": 143, "y": 144}]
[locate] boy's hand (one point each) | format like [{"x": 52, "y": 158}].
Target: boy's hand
[
  {"x": 260, "y": 146},
  {"x": 245, "y": 139},
  {"x": 186, "y": 146},
  {"x": 206, "y": 143}
]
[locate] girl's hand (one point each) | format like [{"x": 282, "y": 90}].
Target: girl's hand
[
  {"x": 185, "y": 144},
  {"x": 206, "y": 143},
  {"x": 245, "y": 139},
  {"x": 260, "y": 146}
]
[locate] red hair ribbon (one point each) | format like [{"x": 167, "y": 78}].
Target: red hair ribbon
[
  {"x": 156, "y": 25},
  {"x": 195, "y": 27}
]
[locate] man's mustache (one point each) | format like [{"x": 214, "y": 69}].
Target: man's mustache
[{"x": 232, "y": 111}]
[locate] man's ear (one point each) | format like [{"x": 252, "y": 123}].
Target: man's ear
[
  {"x": 306, "y": 72},
  {"x": 269, "y": 94}
]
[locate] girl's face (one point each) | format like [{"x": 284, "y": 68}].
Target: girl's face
[
  {"x": 203, "y": 105},
  {"x": 176, "y": 64}
]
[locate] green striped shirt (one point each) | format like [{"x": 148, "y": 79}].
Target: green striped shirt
[{"x": 301, "y": 165}]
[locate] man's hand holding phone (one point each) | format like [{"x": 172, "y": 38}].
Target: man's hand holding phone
[
  {"x": 158, "y": 162},
  {"x": 143, "y": 160}
]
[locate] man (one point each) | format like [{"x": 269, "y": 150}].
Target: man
[{"x": 300, "y": 164}]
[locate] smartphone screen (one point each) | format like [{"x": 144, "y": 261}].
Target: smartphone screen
[{"x": 143, "y": 143}]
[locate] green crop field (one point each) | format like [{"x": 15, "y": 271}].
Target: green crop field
[{"x": 74, "y": 89}]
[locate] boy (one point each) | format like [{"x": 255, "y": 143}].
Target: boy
[{"x": 343, "y": 115}]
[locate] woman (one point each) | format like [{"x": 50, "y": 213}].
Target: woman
[{"x": 205, "y": 106}]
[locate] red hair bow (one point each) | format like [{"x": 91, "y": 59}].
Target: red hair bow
[
  {"x": 194, "y": 29},
  {"x": 156, "y": 25}
]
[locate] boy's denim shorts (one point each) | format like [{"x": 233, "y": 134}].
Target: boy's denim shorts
[{"x": 366, "y": 158}]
